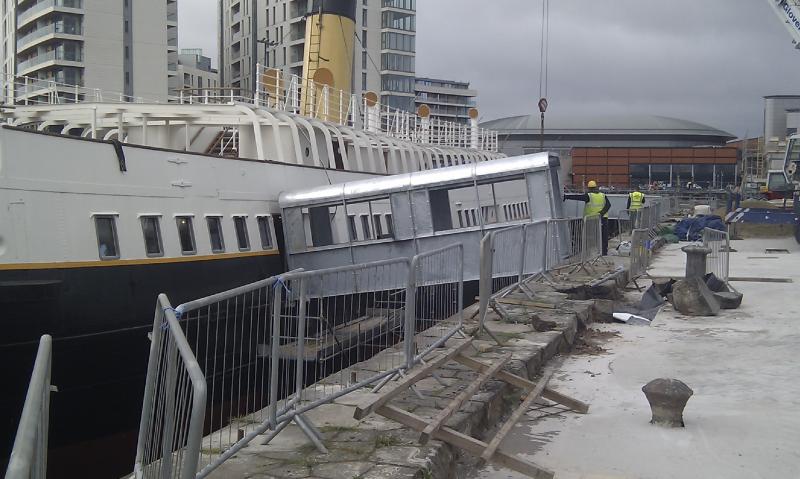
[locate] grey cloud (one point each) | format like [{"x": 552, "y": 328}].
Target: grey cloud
[{"x": 709, "y": 61}]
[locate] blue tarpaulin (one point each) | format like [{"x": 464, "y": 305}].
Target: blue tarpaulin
[{"x": 691, "y": 229}]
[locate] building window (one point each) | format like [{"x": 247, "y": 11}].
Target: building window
[
  {"x": 107, "y": 242},
  {"x": 265, "y": 231},
  {"x": 364, "y": 81},
  {"x": 151, "y": 230},
  {"x": 242, "y": 238},
  {"x": 364, "y": 59},
  {"x": 364, "y": 17},
  {"x": 186, "y": 234},
  {"x": 215, "y": 234}
]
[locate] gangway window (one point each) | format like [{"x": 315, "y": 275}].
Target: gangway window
[
  {"x": 466, "y": 205},
  {"x": 365, "y": 227}
]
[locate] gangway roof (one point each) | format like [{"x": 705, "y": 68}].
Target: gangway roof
[{"x": 419, "y": 179}]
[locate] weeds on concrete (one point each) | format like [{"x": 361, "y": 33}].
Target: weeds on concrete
[{"x": 386, "y": 441}]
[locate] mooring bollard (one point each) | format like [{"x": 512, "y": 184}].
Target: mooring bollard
[
  {"x": 667, "y": 398},
  {"x": 696, "y": 260}
]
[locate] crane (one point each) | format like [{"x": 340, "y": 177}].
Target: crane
[{"x": 789, "y": 13}]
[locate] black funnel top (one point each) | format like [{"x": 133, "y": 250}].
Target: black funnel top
[{"x": 344, "y": 8}]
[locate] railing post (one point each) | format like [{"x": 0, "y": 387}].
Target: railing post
[
  {"x": 277, "y": 298},
  {"x": 149, "y": 386},
  {"x": 523, "y": 255},
  {"x": 411, "y": 312},
  {"x": 485, "y": 282},
  {"x": 301, "y": 342},
  {"x": 169, "y": 408}
]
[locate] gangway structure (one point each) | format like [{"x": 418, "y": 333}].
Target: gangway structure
[{"x": 403, "y": 215}]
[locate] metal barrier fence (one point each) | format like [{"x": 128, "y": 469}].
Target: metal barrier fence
[
  {"x": 513, "y": 257},
  {"x": 640, "y": 254},
  {"x": 435, "y": 309},
  {"x": 174, "y": 402},
  {"x": 29, "y": 454},
  {"x": 718, "y": 261},
  {"x": 253, "y": 359}
]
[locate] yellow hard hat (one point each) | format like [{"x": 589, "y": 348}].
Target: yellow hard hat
[{"x": 592, "y": 184}]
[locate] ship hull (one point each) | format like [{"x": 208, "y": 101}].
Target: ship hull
[{"x": 99, "y": 318}]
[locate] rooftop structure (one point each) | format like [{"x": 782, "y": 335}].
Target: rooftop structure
[
  {"x": 194, "y": 69},
  {"x": 91, "y": 43},
  {"x": 448, "y": 100}
]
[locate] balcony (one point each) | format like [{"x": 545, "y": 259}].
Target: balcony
[
  {"x": 52, "y": 29},
  {"x": 51, "y": 56},
  {"x": 32, "y": 12}
]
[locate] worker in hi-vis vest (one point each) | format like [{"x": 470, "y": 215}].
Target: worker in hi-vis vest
[
  {"x": 596, "y": 204},
  {"x": 635, "y": 199}
]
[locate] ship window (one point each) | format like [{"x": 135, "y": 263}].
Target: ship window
[
  {"x": 370, "y": 214},
  {"x": 215, "y": 234},
  {"x": 265, "y": 231},
  {"x": 242, "y": 239},
  {"x": 107, "y": 243},
  {"x": 186, "y": 234},
  {"x": 151, "y": 230}
]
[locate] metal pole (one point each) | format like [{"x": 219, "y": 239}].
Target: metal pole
[{"x": 276, "y": 332}]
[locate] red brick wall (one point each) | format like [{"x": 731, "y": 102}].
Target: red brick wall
[{"x": 609, "y": 166}]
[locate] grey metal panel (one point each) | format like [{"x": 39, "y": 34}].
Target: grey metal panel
[
  {"x": 294, "y": 231},
  {"x": 539, "y": 191},
  {"x": 401, "y": 216},
  {"x": 421, "y": 212},
  {"x": 387, "y": 185}
]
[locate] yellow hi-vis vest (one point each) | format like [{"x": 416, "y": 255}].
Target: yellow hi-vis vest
[
  {"x": 597, "y": 201},
  {"x": 637, "y": 199}
]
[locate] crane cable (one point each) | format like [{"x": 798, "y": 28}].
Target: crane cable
[{"x": 544, "y": 71}]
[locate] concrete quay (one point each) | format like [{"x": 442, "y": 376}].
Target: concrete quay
[
  {"x": 741, "y": 422},
  {"x": 376, "y": 447}
]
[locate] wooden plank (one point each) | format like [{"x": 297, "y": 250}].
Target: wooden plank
[
  {"x": 520, "y": 382},
  {"x": 363, "y": 411},
  {"x": 524, "y": 302},
  {"x": 467, "y": 393},
  {"x": 466, "y": 443},
  {"x": 514, "y": 418}
]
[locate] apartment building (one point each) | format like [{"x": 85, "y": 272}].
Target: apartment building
[
  {"x": 448, "y": 100},
  {"x": 120, "y": 46},
  {"x": 195, "y": 72},
  {"x": 272, "y": 33}
]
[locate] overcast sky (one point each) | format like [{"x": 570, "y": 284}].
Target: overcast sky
[{"x": 709, "y": 61}]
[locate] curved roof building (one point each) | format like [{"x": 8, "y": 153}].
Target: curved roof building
[{"x": 520, "y": 134}]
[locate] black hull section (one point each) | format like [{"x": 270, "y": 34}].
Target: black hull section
[{"x": 99, "y": 318}]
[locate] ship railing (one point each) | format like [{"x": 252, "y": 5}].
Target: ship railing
[
  {"x": 718, "y": 261},
  {"x": 29, "y": 454},
  {"x": 294, "y": 94},
  {"x": 260, "y": 356}
]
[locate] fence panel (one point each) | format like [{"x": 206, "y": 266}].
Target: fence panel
[
  {"x": 718, "y": 261},
  {"x": 29, "y": 455},
  {"x": 593, "y": 238},
  {"x": 173, "y": 409},
  {"x": 640, "y": 253},
  {"x": 564, "y": 242},
  {"x": 437, "y": 279},
  {"x": 335, "y": 326}
]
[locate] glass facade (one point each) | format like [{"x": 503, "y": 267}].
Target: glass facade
[{"x": 398, "y": 41}]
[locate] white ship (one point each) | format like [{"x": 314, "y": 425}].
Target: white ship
[{"x": 107, "y": 201}]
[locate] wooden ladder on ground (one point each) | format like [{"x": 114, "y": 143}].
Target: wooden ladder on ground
[{"x": 435, "y": 429}]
